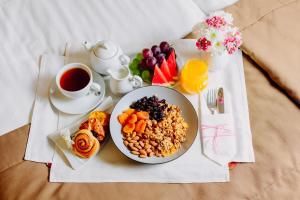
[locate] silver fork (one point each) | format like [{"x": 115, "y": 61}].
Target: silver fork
[{"x": 211, "y": 100}]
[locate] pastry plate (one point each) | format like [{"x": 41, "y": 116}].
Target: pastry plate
[{"x": 74, "y": 161}]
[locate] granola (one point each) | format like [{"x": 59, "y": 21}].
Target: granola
[{"x": 145, "y": 136}]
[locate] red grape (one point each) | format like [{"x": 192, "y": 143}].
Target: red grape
[
  {"x": 147, "y": 53},
  {"x": 160, "y": 57},
  {"x": 170, "y": 51},
  {"x": 164, "y": 46},
  {"x": 143, "y": 64},
  {"x": 150, "y": 62},
  {"x": 155, "y": 50}
]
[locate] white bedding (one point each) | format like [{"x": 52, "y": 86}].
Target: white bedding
[
  {"x": 30, "y": 28},
  {"x": 208, "y": 6}
]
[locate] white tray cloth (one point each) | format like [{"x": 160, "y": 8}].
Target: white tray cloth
[
  {"x": 111, "y": 166},
  {"x": 33, "y": 27},
  {"x": 45, "y": 116}
]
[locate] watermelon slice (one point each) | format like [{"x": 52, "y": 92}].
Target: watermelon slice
[
  {"x": 158, "y": 77},
  {"x": 166, "y": 71},
  {"x": 172, "y": 64}
]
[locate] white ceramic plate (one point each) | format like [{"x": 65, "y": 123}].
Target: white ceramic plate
[
  {"x": 172, "y": 97},
  {"x": 80, "y": 105}
]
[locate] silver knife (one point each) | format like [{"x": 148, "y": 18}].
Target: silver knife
[{"x": 220, "y": 100}]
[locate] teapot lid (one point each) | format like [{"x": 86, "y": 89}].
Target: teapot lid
[{"x": 105, "y": 49}]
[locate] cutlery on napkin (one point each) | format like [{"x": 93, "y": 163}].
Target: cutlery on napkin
[
  {"x": 217, "y": 130},
  {"x": 220, "y": 100}
]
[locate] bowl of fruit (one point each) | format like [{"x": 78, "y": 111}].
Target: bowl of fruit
[{"x": 156, "y": 65}]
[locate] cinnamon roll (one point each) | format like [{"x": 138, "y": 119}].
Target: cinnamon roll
[{"x": 85, "y": 144}]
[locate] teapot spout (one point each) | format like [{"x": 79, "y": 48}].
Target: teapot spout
[{"x": 88, "y": 46}]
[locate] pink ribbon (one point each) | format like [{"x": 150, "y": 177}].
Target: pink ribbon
[
  {"x": 220, "y": 100},
  {"x": 220, "y": 131}
]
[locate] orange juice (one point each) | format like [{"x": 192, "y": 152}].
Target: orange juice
[{"x": 194, "y": 76}]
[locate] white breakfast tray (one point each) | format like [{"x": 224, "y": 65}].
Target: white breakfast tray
[{"x": 110, "y": 165}]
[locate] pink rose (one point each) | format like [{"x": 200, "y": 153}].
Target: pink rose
[
  {"x": 203, "y": 44},
  {"x": 232, "y": 44},
  {"x": 216, "y": 22}
]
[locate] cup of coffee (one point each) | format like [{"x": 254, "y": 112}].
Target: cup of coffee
[{"x": 75, "y": 80}]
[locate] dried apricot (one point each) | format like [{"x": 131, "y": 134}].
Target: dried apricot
[
  {"x": 122, "y": 118},
  {"x": 129, "y": 111},
  {"x": 140, "y": 126},
  {"x": 128, "y": 128},
  {"x": 142, "y": 115},
  {"x": 103, "y": 117},
  {"x": 132, "y": 119}
]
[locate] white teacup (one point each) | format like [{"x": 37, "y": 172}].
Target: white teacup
[{"x": 75, "y": 80}]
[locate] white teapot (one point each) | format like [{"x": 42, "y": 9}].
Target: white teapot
[
  {"x": 122, "y": 81},
  {"x": 106, "y": 55}
]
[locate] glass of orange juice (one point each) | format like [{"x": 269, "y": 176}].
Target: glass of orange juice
[{"x": 194, "y": 76}]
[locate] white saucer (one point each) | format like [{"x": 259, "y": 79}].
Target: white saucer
[{"x": 80, "y": 105}]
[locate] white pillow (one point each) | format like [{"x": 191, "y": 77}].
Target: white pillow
[
  {"x": 131, "y": 23},
  {"x": 212, "y": 5}
]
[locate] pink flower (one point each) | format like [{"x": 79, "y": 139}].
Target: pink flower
[
  {"x": 232, "y": 43},
  {"x": 203, "y": 44},
  {"x": 216, "y": 22}
]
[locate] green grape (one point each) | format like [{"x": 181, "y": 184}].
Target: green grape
[
  {"x": 139, "y": 57},
  {"x": 136, "y": 61},
  {"x": 146, "y": 76},
  {"x": 133, "y": 66},
  {"x": 136, "y": 72}
]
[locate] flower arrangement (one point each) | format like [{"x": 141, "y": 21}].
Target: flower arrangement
[{"x": 217, "y": 34}]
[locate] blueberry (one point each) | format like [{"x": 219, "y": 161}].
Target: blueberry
[{"x": 153, "y": 105}]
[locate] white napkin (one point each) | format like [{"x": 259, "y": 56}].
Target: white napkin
[
  {"x": 34, "y": 27},
  {"x": 217, "y": 132},
  {"x": 45, "y": 117}
]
